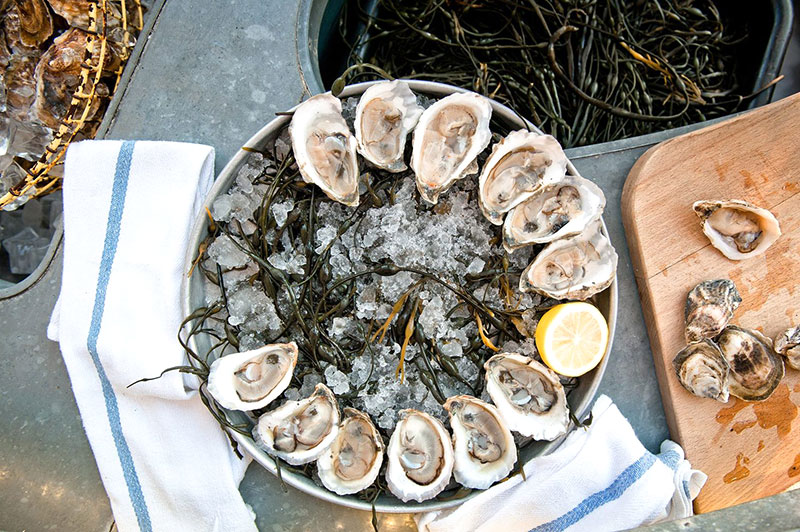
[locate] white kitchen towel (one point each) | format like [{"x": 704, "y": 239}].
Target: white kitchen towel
[
  {"x": 599, "y": 479},
  {"x": 128, "y": 210}
]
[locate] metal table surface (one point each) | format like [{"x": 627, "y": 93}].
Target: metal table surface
[{"x": 218, "y": 84}]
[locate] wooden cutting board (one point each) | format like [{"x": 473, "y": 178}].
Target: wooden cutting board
[{"x": 748, "y": 450}]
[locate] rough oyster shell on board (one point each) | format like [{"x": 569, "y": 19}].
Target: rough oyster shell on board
[
  {"x": 709, "y": 307},
  {"x": 756, "y": 370},
  {"x": 788, "y": 345},
  {"x": 702, "y": 370}
]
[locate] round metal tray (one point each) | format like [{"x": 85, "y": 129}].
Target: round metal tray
[{"x": 580, "y": 398}]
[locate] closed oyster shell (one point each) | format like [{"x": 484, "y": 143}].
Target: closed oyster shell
[
  {"x": 528, "y": 394},
  {"x": 300, "y": 431},
  {"x": 519, "y": 166},
  {"x": 33, "y": 20},
  {"x": 252, "y": 379},
  {"x": 485, "y": 451},
  {"x": 709, "y": 307},
  {"x": 20, "y": 86},
  {"x": 385, "y": 115},
  {"x": 576, "y": 267},
  {"x": 788, "y": 345},
  {"x": 562, "y": 209},
  {"x": 419, "y": 457},
  {"x": 353, "y": 460},
  {"x": 756, "y": 369},
  {"x": 324, "y": 148},
  {"x": 737, "y": 228},
  {"x": 702, "y": 370},
  {"x": 448, "y": 138}
]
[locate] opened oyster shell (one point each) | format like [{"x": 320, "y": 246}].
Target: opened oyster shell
[
  {"x": 324, "y": 149},
  {"x": 709, "y": 307},
  {"x": 528, "y": 395},
  {"x": 519, "y": 166},
  {"x": 756, "y": 369},
  {"x": 702, "y": 369},
  {"x": 737, "y": 228},
  {"x": 558, "y": 210},
  {"x": 385, "y": 115},
  {"x": 485, "y": 451},
  {"x": 788, "y": 345},
  {"x": 300, "y": 431},
  {"x": 419, "y": 457},
  {"x": 252, "y": 379},
  {"x": 353, "y": 460},
  {"x": 447, "y": 140},
  {"x": 576, "y": 267}
]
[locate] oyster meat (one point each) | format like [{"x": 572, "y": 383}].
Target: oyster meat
[
  {"x": 385, "y": 115},
  {"x": 709, "y": 307},
  {"x": 419, "y": 457},
  {"x": 737, "y": 228},
  {"x": 756, "y": 369},
  {"x": 519, "y": 166},
  {"x": 576, "y": 267},
  {"x": 788, "y": 345},
  {"x": 324, "y": 148},
  {"x": 447, "y": 140},
  {"x": 300, "y": 431},
  {"x": 558, "y": 210},
  {"x": 485, "y": 451},
  {"x": 252, "y": 379},
  {"x": 702, "y": 369},
  {"x": 528, "y": 395},
  {"x": 353, "y": 460}
]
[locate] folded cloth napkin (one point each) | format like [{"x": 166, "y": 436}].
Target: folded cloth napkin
[
  {"x": 600, "y": 478},
  {"x": 128, "y": 210}
]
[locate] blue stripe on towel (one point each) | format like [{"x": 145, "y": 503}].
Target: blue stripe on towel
[
  {"x": 632, "y": 473},
  {"x": 118, "y": 192},
  {"x": 671, "y": 459}
]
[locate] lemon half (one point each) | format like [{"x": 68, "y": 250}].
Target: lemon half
[{"x": 572, "y": 338}]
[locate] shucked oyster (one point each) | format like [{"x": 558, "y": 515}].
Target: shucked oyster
[
  {"x": 252, "y": 379},
  {"x": 756, "y": 369},
  {"x": 520, "y": 165},
  {"x": 576, "y": 267},
  {"x": 386, "y": 113},
  {"x": 737, "y": 228},
  {"x": 420, "y": 457},
  {"x": 709, "y": 307},
  {"x": 562, "y": 209},
  {"x": 324, "y": 149},
  {"x": 528, "y": 395},
  {"x": 300, "y": 431},
  {"x": 447, "y": 140},
  {"x": 485, "y": 451},
  {"x": 353, "y": 460},
  {"x": 702, "y": 370},
  {"x": 788, "y": 345}
]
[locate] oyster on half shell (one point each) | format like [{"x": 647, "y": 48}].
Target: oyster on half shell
[
  {"x": 353, "y": 460},
  {"x": 788, "y": 345},
  {"x": 447, "y": 140},
  {"x": 324, "y": 148},
  {"x": 385, "y": 115},
  {"x": 737, "y": 228},
  {"x": 702, "y": 370},
  {"x": 252, "y": 379},
  {"x": 485, "y": 451},
  {"x": 528, "y": 395},
  {"x": 575, "y": 267},
  {"x": 519, "y": 166},
  {"x": 559, "y": 210},
  {"x": 709, "y": 307},
  {"x": 419, "y": 457},
  {"x": 300, "y": 431},
  {"x": 756, "y": 369}
]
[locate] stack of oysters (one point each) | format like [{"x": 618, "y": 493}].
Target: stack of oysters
[{"x": 723, "y": 359}]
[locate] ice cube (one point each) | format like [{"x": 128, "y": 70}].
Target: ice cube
[{"x": 25, "y": 250}]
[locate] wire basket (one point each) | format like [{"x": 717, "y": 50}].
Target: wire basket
[{"x": 43, "y": 176}]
